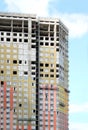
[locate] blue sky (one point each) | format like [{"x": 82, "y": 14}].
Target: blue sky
[
  {"x": 75, "y": 16},
  {"x": 69, "y": 6}
]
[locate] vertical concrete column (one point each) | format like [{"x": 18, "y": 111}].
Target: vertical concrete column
[
  {"x": 54, "y": 107},
  {"x": 11, "y": 108},
  {"x": 49, "y": 97},
  {"x": 43, "y": 107},
  {"x": 5, "y": 105}
]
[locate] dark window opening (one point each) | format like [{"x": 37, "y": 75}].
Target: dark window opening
[
  {"x": 20, "y": 105},
  {"x": 57, "y": 76},
  {"x": 20, "y": 40},
  {"x": 41, "y": 69},
  {"x": 2, "y": 39},
  {"x": 25, "y": 62},
  {"x": 20, "y": 61},
  {"x": 25, "y": 40},
  {"x": 57, "y": 49},
  {"x": 41, "y": 64},
  {"x": 41, "y": 43},
  {"x": 52, "y": 70},
  {"x": 46, "y": 38},
  {"x": 51, "y": 75},
  {"x": 46, "y": 75},
  {"x": 52, "y": 44},
  {"x": 20, "y": 34},
  {"x": 15, "y": 34},
  {"x": 34, "y": 78},
  {"x": 41, "y": 75},
  {"x": 41, "y": 38},
  {"x": 33, "y": 62},
  {"x": 8, "y": 34},
  {"x": 2, "y": 33},
  {"x": 14, "y": 72},
  {"x": 14, "y": 40},
  {"x": 46, "y": 65},
  {"x": 25, "y": 72},
  {"x": 33, "y": 46},
  {"x": 33, "y": 73},
  {"x": 33, "y": 68},
  {"x": 26, "y": 35},
  {"x": 46, "y": 43},
  {"x": 14, "y": 61},
  {"x": 57, "y": 44},
  {"x": 57, "y": 70},
  {"x": 8, "y": 39},
  {"x": 32, "y": 84},
  {"x": 14, "y": 110},
  {"x": 57, "y": 65},
  {"x": 2, "y": 82},
  {"x": 34, "y": 111},
  {"x": 2, "y": 71},
  {"x": 33, "y": 41},
  {"x": 33, "y": 35},
  {"x": 52, "y": 38},
  {"x": 57, "y": 39},
  {"x": 32, "y": 31}
]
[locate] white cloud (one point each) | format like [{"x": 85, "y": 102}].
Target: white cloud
[
  {"x": 79, "y": 108},
  {"x": 76, "y": 23},
  {"x": 39, "y": 7},
  {"x": 78, "y": 126}
]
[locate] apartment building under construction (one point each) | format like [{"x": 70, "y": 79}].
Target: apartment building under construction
[{"x": 33, "y": 73}]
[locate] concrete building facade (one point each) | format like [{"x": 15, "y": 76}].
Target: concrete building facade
[{"x": 34, "y": 90}]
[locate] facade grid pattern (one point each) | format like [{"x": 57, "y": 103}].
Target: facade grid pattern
[{"x": 34, "y": 91}]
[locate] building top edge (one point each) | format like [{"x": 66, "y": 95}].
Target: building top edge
[
  {"x": 53, "y": 20},
  {"x": 10, "y": 14},
  {"x": 40, "y": 19}
]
